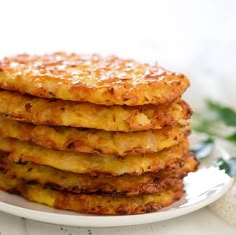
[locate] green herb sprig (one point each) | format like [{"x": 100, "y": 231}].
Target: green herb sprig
[
  {"x": 217, "y": 121},
  {"x": 228, "y": 165}
]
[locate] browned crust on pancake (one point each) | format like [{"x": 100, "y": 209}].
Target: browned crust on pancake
[
  {"x": 91, "y": 78},
  {"x": 127, "y": 185},
  {"x": 93, "y": 203},
  {"x": 95, "y": 164},
  {"x": 109, "y": 118},
  {"x": 92, "y": 140}
]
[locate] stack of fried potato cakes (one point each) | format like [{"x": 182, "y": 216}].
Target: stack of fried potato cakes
[{"x": 93, "y": 134}]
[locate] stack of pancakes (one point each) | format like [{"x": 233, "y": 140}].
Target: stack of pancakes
[{"x": 93, "y": 134}]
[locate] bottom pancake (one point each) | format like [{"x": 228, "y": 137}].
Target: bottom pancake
[
  {"x": 128, "y": 185},
  {"x": 93, "y": 203}
]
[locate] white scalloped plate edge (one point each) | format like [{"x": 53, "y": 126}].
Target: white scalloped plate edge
[{"x": 202, "y": 188}]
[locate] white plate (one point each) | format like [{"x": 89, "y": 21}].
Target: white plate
[{"x": 202, "y": 188}]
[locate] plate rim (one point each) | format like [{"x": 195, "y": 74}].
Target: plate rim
[
  {"x": 86, "y": 220},
  {"x": 102, "y": 221}
]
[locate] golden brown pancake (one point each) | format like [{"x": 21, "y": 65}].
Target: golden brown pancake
[
  {"x": 93, "y": 203},
  {"x": 92, "y": 140},
  {"x": 121, "y": 185},
  {"x": 92, "y": 163},
  {"x": 109, "y": 118},
  {"x": 91, "y": 78},
  {"x": 93, "y": 134}
]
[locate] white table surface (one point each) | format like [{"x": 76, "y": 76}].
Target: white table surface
[
  {"x": 196, "y": 37},
  {"x": 199, "y": 222}
]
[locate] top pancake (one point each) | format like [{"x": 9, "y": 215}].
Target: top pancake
[{"x": 91, "y": 78}]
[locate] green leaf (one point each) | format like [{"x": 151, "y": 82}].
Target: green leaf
[
  {"x": 229, "y": 116},
  {"x": 222, "y": 164},
  {"x": 203, "y": 149},
  {"x": 228, "y": 165},
  {"x": 226, "y": 114},
  {"x": 232, "y": 137},
  {"x": 215, "y": 121}
]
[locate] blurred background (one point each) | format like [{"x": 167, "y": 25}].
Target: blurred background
[{"x": 197, "y": 38}]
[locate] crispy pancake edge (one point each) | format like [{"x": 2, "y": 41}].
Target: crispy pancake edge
[
  {"x": 92, "y": 140},
  {"x": 95, "y": 203},
  {"x": 110, "y": 118},
  {"x": 128, "y": 185},
  {"x": 91, "y": 78},
  {"x": 95, "y": 164}
]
